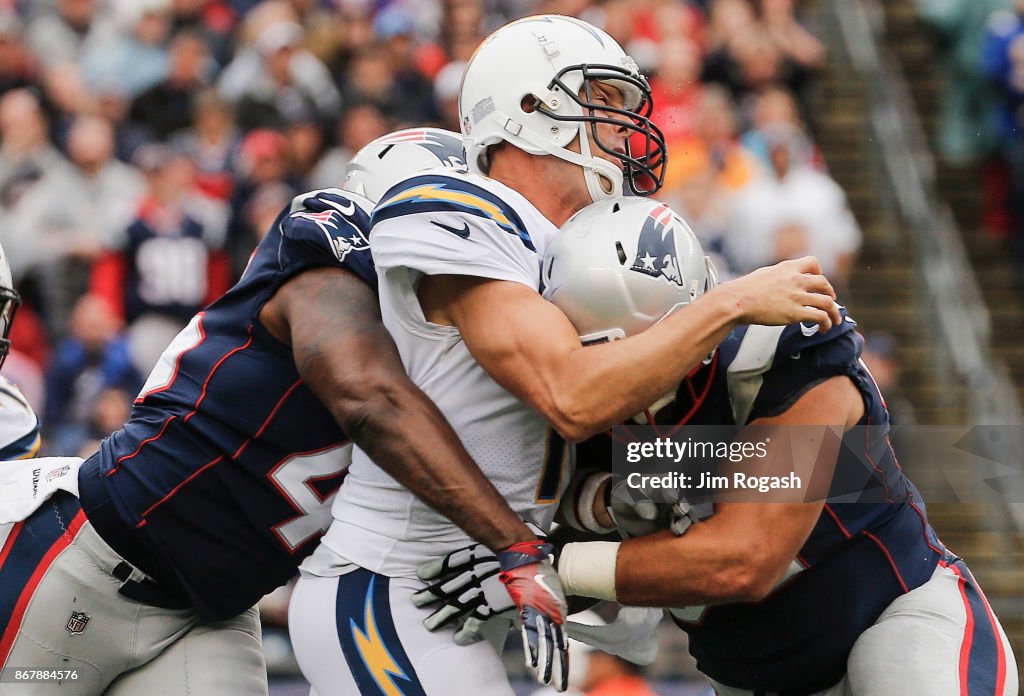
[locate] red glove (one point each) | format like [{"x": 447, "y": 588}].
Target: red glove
[{"x": 533, "y": 584}]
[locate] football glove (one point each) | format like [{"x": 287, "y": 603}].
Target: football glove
[
  {"x": 532, "y": 582},
  {"x": 465, "y": 589},
  {"x": 472, "y": 585},
  {"x": 637, "y": 512}
]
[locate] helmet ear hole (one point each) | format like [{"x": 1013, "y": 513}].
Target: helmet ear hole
[
  {"x": 529, "y": 103},
  {"x": 621, "y": 252}
]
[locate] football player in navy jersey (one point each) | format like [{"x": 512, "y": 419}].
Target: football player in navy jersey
[
  {"x": 221, "y": 481},
  {"x": 823, "y": 596}
]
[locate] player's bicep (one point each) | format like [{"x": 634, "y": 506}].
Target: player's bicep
[
  {"x": 835, "y": 402},
  {"x": 341, "y": 349},
  {"x": 804, "y": 440},
  {"x": 520, "y": 339}
]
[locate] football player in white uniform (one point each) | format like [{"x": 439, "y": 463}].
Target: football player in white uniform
[
  {"x": 19, "y": 426},
  {"x": 839, "y": 588},
  {"x": 554, "y": 116}
]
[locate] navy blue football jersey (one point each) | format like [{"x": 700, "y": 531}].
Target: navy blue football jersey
[
  {"x": 227, "y": 467},
  {"x": 168, "y": 262},
  {"x": 859, "y": 557}
]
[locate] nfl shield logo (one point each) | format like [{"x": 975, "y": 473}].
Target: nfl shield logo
[{"x": 77, "y": 622}]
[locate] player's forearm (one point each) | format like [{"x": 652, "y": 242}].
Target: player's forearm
[
  {"x": 707, "y": 565},
  {"x": 405, "y": 435},
  {"x": 745, "y": 548},
  {"x": 711, "y": 564},
  {"x": 345, "y": 355},
  {"x": 605, "y": 384}
]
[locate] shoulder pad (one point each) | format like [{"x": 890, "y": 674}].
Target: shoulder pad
[
  {"x": 757, "y": 349},
  {"x": 798, "y": 337},
  {"x": 434, "y": 193},
  {"x": 19, "y": 426},
  {"x": 754, "y": 356},
  {"x": 331, "y": 217}
]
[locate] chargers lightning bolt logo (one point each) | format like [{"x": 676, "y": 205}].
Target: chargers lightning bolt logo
[
  {"x": 461, "y": 201},
  {"x": 375, "y": 654},
  {"x": 656, "y": 249}
]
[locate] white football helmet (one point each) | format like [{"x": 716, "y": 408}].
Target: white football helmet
[
  {"x": 618, "y": 267},
  {"x": 10, "y": 300},
  {"x": 390, "y": 158},
  {"x": 524, "y": 84}
]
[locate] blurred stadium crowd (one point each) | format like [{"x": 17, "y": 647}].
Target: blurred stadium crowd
[
  {"x": 981, "y": 46},
  {"x": 146, "y": 145}
]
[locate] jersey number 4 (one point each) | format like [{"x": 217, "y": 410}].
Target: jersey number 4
[{"x": 297, "y": 478}]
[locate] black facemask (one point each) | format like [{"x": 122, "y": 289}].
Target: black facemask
[
  {"x": 10, "y": 300},
  {"x": 643, "y": 163}
]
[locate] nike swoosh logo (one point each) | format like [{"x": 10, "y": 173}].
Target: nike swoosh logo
[
  {"x": 539, "y": 579},
  {"x": 458, "y": 232},
  {"x": 809, "y": 331},
  {"x": 345, "y": 210}
]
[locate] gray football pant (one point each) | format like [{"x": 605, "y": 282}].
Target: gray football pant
[
  {"x": 940, "y": 639},
  {"x": 125, "y": 648}
]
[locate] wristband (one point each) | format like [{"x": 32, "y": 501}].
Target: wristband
[
  {"x": 586, "y": 500},
  {"x": 588, "y": 569},
  {"x": 578, "y": 502}
]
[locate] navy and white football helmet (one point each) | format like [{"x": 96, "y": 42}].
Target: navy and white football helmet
[
  {"x": 10, "y": 300},
  {"x": 618, "y": 267},
  {"x": 390, "y": 158}
]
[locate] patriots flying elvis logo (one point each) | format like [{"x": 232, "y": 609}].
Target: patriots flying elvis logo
[
  {"x": 343, "y": 239},
  {"x": 656, "y": 248}
]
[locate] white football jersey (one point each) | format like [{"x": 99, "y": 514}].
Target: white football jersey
[
  {"x": 19, "y": 426},
  {"x": 459, "y": 224}
]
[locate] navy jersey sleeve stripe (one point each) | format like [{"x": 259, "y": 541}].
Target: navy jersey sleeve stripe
[{"x": 796, "y": 373}]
